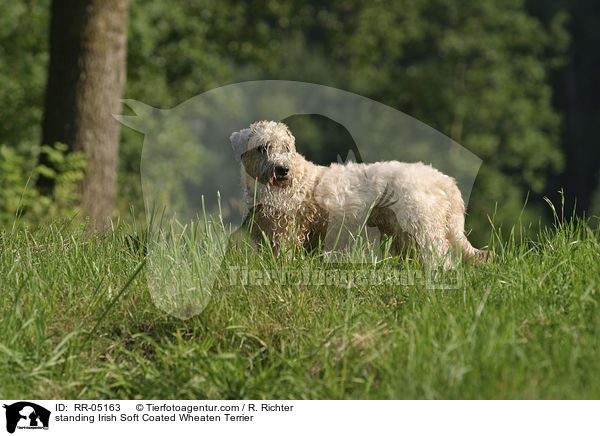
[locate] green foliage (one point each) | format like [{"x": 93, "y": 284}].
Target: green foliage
[
  {"x": 20, "y": 202},
  {"x": 476, "y": 70},
  {"x": 574, "y": 85},
  {"x": 23, "y": 58}
]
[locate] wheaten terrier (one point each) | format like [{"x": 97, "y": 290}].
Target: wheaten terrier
[{"x": 293, "y": 202}]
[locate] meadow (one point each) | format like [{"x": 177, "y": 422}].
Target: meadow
[{"x": 78, "y": 321}]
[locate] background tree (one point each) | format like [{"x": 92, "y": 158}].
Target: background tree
[{"x": 86, "y": 77}]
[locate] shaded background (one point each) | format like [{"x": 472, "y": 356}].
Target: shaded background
[{"x": 513, "y": 81}]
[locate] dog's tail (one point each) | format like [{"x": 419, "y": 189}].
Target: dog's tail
[
  {"x": 464, "y": 247},
  {"x": 456, "y": 229},
  {"x": 470, "y": 253}
]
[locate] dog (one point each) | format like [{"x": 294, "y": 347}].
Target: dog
[{"x": 294, "y": 203}]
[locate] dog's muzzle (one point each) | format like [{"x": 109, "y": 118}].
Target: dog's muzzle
[
  {"x": 280, "y": 176},
  {"x": 281, "y": 173}
]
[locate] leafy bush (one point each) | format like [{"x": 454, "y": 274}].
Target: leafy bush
[{"x": 20, "y": 202}]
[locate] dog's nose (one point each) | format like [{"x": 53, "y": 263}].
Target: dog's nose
[{"x": 281, "y": 171}]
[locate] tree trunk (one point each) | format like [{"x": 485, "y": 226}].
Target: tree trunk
[{"x": 86, "y": 76}]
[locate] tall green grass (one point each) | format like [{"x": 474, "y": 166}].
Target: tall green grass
[{"x": 78, "y": 321}]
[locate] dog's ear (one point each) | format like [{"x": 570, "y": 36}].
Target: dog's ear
[
  {"x": 239, "y": 141},
  {"x": 292, "y": 138}
]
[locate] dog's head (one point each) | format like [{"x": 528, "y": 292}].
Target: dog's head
[{"x": 267, "y": 150}]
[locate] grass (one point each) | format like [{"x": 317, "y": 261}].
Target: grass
[{"x": 78, "y": 321}]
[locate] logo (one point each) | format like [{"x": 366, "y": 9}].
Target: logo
[
  {"x": 191, "y": 177},
  {"x": 26, "y": 415}
]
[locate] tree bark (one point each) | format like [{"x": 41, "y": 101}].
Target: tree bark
[{"x": 86, "y": 77}]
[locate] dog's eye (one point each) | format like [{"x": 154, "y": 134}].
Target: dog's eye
[{"x": 262, "y": 149}]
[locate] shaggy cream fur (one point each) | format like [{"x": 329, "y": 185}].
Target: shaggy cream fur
[{"x": 293, "y": 201}]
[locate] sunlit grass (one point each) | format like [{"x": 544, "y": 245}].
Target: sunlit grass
[{"x": 78, "y": 321}]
